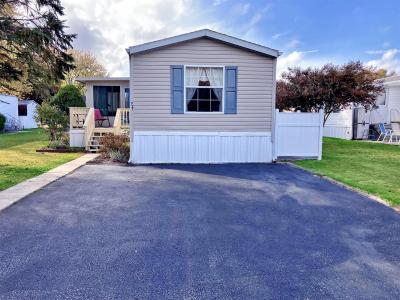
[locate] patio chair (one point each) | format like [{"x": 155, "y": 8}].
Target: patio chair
[
  {"x": 395, "y": 133},
  {"x": 383, "y": 132},
  {"x": 99, "y": 118}
]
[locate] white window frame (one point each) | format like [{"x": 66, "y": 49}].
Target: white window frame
[{"x": 189, "y": 86}]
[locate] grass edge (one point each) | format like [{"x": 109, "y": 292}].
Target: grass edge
[{"x": 348, "y": 187}]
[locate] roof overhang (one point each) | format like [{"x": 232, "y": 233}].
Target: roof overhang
[
  {"x": 392, "y": 83},
  {"x": 97, "y": 79},
  {"x": 392, "y": 80},
  {"x": 204, "y": 33}
]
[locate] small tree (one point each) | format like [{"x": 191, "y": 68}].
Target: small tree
[
  {"x": 86, "y": 65},
  {"x": 68, "y": 96},
  {"x": 382, "y": 73},
  {"x": 331, "y": 88},
  {"x": 54, "y": 121}
]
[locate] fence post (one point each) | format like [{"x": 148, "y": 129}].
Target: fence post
[
  {"x": 321, "y": 133},
  {"x": 274, "y": 134}
]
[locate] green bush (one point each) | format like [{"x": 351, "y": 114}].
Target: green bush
[
  {"x": 115, "y": 147},
  {"x": 53, "y": 120},
  {"x": 2, "y": 121},
  {"x": 68, "y": 96}
]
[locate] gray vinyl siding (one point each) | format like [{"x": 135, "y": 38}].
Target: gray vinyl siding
[{"x": 150, "y": 83}]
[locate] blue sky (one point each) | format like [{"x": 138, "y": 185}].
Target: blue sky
[{"x": 308, "y": 32}]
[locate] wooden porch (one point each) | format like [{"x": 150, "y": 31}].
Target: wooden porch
[{"x": 83, "y": 118}]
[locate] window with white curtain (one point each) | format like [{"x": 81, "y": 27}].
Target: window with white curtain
[{"x": 204, "y": 89}]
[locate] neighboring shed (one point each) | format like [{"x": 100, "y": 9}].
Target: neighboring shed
[{"x": 202, "y": 97}]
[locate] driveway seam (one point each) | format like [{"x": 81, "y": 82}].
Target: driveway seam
[{"x": 19, "y": 191}]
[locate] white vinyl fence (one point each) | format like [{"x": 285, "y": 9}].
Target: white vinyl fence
[{"x": 298, "y": 134}]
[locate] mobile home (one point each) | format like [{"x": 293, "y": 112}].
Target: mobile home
[{"x": 353, "y": 123}]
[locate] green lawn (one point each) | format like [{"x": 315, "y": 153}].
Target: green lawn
[
  {"x": 371, "y": 167},
  {"x": 19, "y": 161}
]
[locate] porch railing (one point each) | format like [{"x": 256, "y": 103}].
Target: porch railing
[
  {"x": 84, "y": 118},
  {"x": 121, "y": 121},
  {"x": 77, "y": 116},
  {"x": 89, "y": 126}
]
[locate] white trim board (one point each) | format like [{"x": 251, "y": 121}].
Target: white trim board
[
  {"x": 206, "y": 33},
  {"x": 208, "y": 133}
]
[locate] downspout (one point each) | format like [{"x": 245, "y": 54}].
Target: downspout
[
  {"x": 130, "y": 161},
  {"x": 273, "y": 131}
]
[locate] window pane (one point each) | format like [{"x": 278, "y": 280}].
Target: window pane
[
  {"x": 204, "y": 93},
  {"x": 127, "y": 98},
  {"x": 192, "y": 76},
  {"x": 204, "y": 105},
  {"x": 216, "y": 99},
  {"x": 100, "y": 98},
  {"x": 112, "y": 100},
  {"x": 191, "y": 99},
  {"x": 22, "y": 110},
  {"x": 216, "y": 76}
]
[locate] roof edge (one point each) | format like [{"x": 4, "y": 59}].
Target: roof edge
[
  {"x": 87, "y": 79},
  {"x": 207, "y": 33}
]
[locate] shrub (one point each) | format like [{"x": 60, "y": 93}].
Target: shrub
[
  {"x": 68, "y": 96},
  {"x": 2, "y": 121},
  {"x": 115, "y": 147},
  {"x": 52, "y": 120},
  {"x": 118, "y": 155}
]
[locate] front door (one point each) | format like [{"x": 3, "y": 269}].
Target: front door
[{"x": 107, "y": 99}]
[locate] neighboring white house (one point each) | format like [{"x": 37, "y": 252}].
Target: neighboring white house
[
  {"x": 9, "y": 108},
  {"x": 200, "y": 97},
  {"x": 26, "y": 113},
  {"x": 19, "y": 113},
  {"x": 353, "y": 123}
]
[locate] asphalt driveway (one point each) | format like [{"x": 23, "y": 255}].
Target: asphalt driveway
[{"x": 198, "y": 232}]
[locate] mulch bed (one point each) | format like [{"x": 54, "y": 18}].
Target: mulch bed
[
  {"x": 101, "y": 160},
  {"x": 61, "y": 150}
]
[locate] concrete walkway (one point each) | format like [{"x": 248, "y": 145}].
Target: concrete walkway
[{"x": 23, "y": 189}]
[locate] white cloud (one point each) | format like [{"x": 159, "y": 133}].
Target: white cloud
[
  {"x": 241, "y": 9},
  {"x": 218, "y": 2},
  {"x": 389, "y": 60},
  {"x": 293, "y": 44},
  {"x": 107, "y": 30},
  {"x": 279, "y": 35},
  {"x": 250, "y": 26},
  {"x": 374, "y": 51},
  {"x": 295, "y": 59}
]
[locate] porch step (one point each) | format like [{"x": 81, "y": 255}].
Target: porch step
[{"x": 94, "y": 142}]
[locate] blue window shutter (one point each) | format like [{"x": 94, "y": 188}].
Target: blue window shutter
[
  {"x": 230, "y": 90},
  {"x": 177, "y": 90}
]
